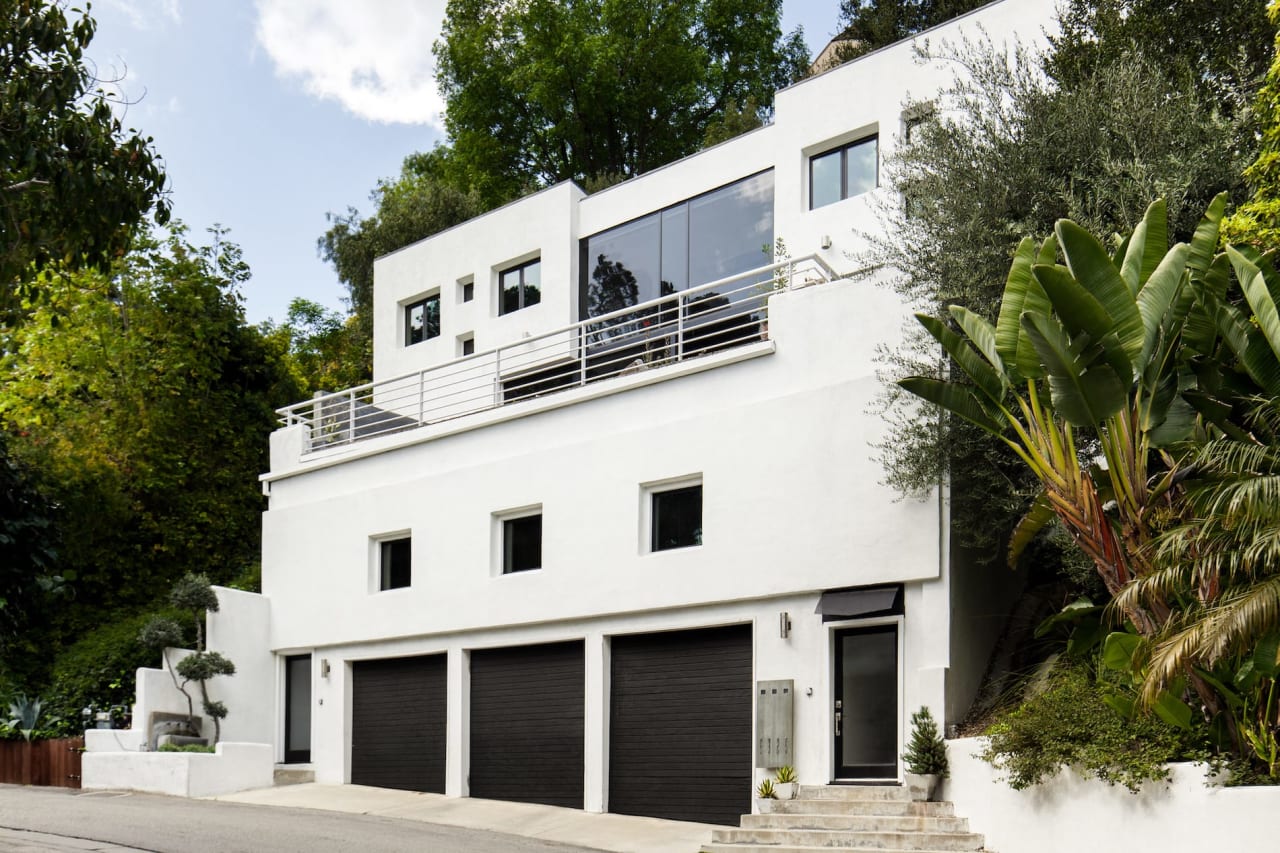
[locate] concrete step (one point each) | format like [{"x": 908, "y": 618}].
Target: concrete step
[
  {"x": 858, "y": 822},
  {"x": 294, "y": 774},
  {"x": 717, "y": 847},
  {"x": 850, "y": 840},
  {"x": 885, "y": 808},
  {"x": 896, "y": 793}
]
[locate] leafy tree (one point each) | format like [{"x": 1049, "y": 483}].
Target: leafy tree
[
  {"x": 1007, "y": 153},
  {"x": 27, "y": 559},
  {"x": 547, "y": 91},
  {"x": 143, "y": 401},
  {"x": 73, "y": 182},
  {"x": 1258, "y": 220},
  {"x": 867, "y": 25},
  {"x": 322, "y": 350},
  {"x": 430, "y": 195}
]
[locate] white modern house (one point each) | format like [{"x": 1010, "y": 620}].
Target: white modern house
[{"x": 606, "y": 530}]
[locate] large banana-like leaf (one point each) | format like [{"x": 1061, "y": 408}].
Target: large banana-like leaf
[
  {"x": 1146, "y": 247},
  {"x": 1092, "y": 267},
  {"x": 1249, "y": 345},
  {"x": 1158, "y": 293},
  {"x": 1022, "y": 293},
  {"x": 1085, "y": 388},
  {"x": 1261, "y": 296},
  {"x": 984, "y": 376},
  {"x": 982, "y": 335},
  {"x": 1204, "y": 243},
  {"x": 1200, "y": 329},
  {"x": 1037, "y": 517},
  {"x": 1081, "y": 314},
  {"x": 957, "y": 399},
  {"x": 1168, "y": 418}
]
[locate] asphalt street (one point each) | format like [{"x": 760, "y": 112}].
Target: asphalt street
[{"x": 174, "y": 825}]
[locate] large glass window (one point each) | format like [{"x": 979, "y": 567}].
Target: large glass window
[
  {"x": 422, "y": 320},
  {"x": 844, "y": 172},
  {"x": 677, "y": 518},
  {"x": 520, "y": 287},
  {"x": 706, "y": 238}
]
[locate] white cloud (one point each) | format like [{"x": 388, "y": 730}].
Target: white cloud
[
  {"x": 143, "y": 14},
  {"x": 373, "y": 58}
]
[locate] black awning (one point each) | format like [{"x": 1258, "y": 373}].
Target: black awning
[{"x": 852, "y": 603}]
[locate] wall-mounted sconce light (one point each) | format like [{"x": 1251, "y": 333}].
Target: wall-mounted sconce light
[
  {"x": 826, "y": 241},
  {"x": 324, "y": 667},
  {"x": 784, "y": 624}
]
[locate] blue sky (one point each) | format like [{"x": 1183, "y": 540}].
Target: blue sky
[{"x": 271, "y": 113}]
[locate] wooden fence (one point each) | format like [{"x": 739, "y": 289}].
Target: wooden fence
[{"x": 41, "y": 762}]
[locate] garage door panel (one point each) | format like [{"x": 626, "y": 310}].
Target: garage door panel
[
  {"x": 398, "y": 723},
  {"x": 527, "y": 718},
  {"x": 680, "y": 725}
]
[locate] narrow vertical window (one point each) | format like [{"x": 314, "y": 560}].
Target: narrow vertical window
[
  {"x": 522, "y": 544},
  {"x": 520, "y": 287},
  {"x": 394, "y": 563},
  {"x": 422, "y": 320}
]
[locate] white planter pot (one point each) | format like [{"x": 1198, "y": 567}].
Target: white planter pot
[
  {"x": 785, "y": 790},
  {"x": 922, "y": 787},
  {"x": 764, "y": 806}
]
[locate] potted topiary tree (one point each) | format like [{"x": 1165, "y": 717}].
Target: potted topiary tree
[
  {"x": 194, "y": 594},
  {"x": 926, "y": 756}
]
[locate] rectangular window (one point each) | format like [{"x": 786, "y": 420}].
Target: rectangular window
[
  {"x": 521, "y": 543},
  {"x": 422, "y": 320},
  {"x": 394, "y": 559},
  {"x": 520, "y": 287},
  {"x": 676, "y": 518},
  {"x": 468, "y": 345},
  {"x": 844, "y": 172},
  {"x": 468, "y": 291}
]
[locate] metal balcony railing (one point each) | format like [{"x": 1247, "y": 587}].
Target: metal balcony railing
[{"x": 685, "y": 325}]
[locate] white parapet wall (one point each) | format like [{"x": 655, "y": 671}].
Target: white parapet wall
[
  {"x": 233, "y": 767},
  {"x": 1070, "y": 813}
]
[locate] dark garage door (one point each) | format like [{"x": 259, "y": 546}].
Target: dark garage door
[
  {"x": 680, "y": 725},
  {"x": 527, "y": 724},
  {"x": 398, "y": 723}
]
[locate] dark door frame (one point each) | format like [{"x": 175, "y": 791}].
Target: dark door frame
[
  {"x": 294, "y": 756},
  {"x": 894, "y": 623}
]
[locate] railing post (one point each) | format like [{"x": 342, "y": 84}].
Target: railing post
[
  {"x": 582, "y": 348},
  {"x": 680, "y": 327},
  {"x": 422, "y": 396},
  {"x": 497, "y": 377},
  {"x": 351, "y": 416}
]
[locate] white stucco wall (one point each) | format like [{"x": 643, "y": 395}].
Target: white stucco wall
[
  {"x": 1069, "y": 813},
  {"x": 240, "y": 629},
  {"x": 233, "y": 767}
]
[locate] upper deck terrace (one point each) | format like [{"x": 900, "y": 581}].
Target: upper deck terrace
[{"x": 685, "y": 330}]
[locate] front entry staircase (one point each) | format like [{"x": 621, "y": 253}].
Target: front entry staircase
[{"x": 849, "y": 817}]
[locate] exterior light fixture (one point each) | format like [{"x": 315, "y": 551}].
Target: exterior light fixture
[
  {"x": 324, "y": 667},
  {"x": 784, "y": 624}
]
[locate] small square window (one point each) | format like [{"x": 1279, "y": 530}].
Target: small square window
[
  {"x": 844, "y": 172},
  {"x": 394, "y": 563},
  {"x": 468, "y": 291},
  {"x": 520, "y": 287},
  {"x": 676, "y": 518},
  {"x": 468, "y": 345},
  {"x": 422, "y": 320},
  {"x": 521, "y": 543}
]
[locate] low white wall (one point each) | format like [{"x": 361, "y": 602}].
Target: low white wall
[
  {"x": 240, "y": 630},
  {"x": 1069, "y": 813},
  {"x": 234, "y": 767},
  {"x": 115, "y": 740}
]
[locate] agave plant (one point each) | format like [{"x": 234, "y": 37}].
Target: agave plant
[{"x": 24, "y": 715}]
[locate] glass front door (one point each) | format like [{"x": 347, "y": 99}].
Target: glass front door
[
  {"x": 297, "y": 709},
  {"x": 866, "y": 711}
]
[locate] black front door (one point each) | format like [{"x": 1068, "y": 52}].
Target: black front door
[
  {"x": 297, "y": 709},
  {"x": 866, "y": 703}
]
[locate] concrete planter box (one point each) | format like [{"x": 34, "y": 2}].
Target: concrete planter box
[{"x": 233, "y": 767}]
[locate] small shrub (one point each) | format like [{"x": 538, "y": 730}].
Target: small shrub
[
  {"x": 926, "y": 754},
  {"x": 185, "y": 747},
  {"x": 1068, "y": 724},
  {"x": 786, "y": 773},
  {"x": 765, "y": 790}
]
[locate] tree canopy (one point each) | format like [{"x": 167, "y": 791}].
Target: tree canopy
[
  {"x": 867, "y": 25},
  {"x": 140, "y": 401},
  {"x": 73, "y": 182},
  {"x": 547, "y": 91}
]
